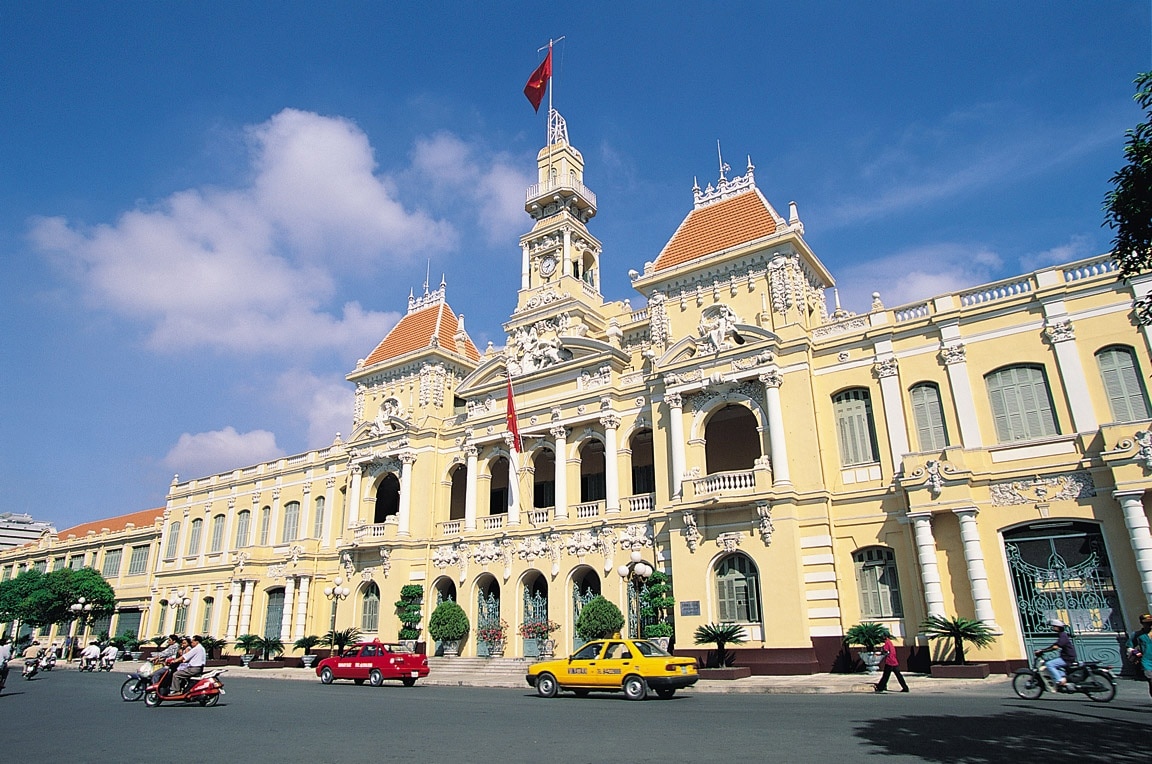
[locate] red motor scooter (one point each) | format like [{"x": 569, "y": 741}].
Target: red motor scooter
[{"x": 205, "y": 689}]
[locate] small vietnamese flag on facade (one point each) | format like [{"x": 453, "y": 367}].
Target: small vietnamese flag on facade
[
  {"x": 517, "y": 443},
  {"x": 537, "y": 84}
]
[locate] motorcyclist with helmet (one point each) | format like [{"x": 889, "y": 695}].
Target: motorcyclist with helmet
[
  {"x": 108, "y": 655},
  {"x": 1058, "y": 666},
  {"x": 1140, "y": 648},
  {"x": 90, "y": 654}
]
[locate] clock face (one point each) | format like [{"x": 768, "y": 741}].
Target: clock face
[{"x": 548, "y": 265}]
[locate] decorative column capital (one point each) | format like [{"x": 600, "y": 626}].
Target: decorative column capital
[
  {"x": 885, "y": 367},
  {"x": 952, "y": 354},
  {"x": 675, "y": 400},
  {"x": 559, "y": 432},
  {"x": 1059, "y": 331},
  {"x": 772, "y": 378},
  {"x": 610, "y": 421},
  {"x": 408, "y": 457},
  {"x": 471, "y": 451}
]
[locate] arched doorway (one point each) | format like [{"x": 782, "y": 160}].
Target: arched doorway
[
  {"x": 387, "y": 498},
  {"x": 487, "y": 610},
  {"x": 457, "y": 501},
  {"x": 274, "y": 615},
  {"x": 498, "y": 487},
  {"x": 544, "y": 479},
  {"x": 444, "y": 589},
  {"x": 535, "y": 594},
  {"x": 1061, "y": 569},
  {"x": 585, "y": 586},
  {"x": 731, "y": 440}
]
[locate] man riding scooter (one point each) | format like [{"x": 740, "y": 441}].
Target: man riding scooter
[
  {"x": 89, "y": 657},
  {"x": 108, "y": 657},
  {"x": 192, "y": 664},
  {"x": 31, "y": 657}
]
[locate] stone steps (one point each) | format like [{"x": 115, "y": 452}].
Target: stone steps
[{"x": 485, "y": 672}]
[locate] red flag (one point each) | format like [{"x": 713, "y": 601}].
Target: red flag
[
  {"x": 538, "y": 82},
  {"x": 517, "y": 444}
]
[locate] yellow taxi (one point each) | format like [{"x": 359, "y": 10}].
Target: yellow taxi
[{"x": 633, "y": 666}]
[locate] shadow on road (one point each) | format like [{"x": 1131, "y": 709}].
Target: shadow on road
[{"x": 1012, "y": 737}]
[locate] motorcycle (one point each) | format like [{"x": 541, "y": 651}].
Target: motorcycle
[
  {"x": 137, "y": 682},
  {"x": 48, "y": 661},
  {"x": 31, "y": 667},
  {"x": 205, "y": 689},
  {"x": 88, "y": 664},
  {"x": 106, "y": 663},
  {"x": 1089, "y": 677}
]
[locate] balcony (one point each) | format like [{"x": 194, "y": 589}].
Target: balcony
[{"x": 732, "y": 487}]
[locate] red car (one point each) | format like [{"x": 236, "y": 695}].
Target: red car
[{"x": 374, "y": 662}]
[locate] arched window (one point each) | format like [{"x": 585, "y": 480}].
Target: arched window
[
  {"x": 194, "y": 537},
  {"x": 643, "y": 463},
  {"x": 738, "y": 589},
  {"x": 243, "y": 523},
  {"x": 387, "y": 498},
  {"x": 855, "y": 428},
  {"x": 318, "y": 518},
  {"x": 544, "y": 479},
  {"x": 929, "y": 417},
  {"x": 217, "y": 542},
  {"x": 877, "y": 582},
  {"x": 169, "y": 550},
  {"x": 1122, "y": 384},
  {"x": 206, "y": 621},
  {"x": 1021, "y": 403},
  {"x": 265, "y": 518},
  {"x": 731, "y": 441},
  {"x": 291, "y": 522},
  {"x": 370, "y": 609},
  {"x": 458, "y": 497},
  {"x": 593, "y": 480}
]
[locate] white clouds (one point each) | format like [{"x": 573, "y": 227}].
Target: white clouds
[
  {"x": 916, "y": 274},
  {"x": 1075, "y": 248},
  {"x": 253, "y": 269},
  {"x": 207, "y": 453},
  {"x": 324, "y": 402},
  {"x": 492, "y": 185}
]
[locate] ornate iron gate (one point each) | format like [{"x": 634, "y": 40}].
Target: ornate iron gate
[
  {"x": 578, "y": 602},
  {"x": 1061, "y": 570},
  {"x": 487, "y": 616},
  {"x": 535, "y": 610},
  {"x": 636, "y": 621}
]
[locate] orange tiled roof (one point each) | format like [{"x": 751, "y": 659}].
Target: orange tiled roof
[
  {"x": 716, "y": 227},
  {"x": 415, "y": 332},
  {"x": 119, "y": 523}
]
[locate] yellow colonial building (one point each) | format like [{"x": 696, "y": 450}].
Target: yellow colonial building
[{"x": 792, "y": 467}]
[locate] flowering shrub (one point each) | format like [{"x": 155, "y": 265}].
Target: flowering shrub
[
  {"x": 538, "y": 629},
  {"x": 493, "y": 633}
]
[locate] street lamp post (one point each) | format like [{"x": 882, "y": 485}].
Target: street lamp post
[
  {"x": 636, "y": 572},
  {"x": 179, "y": 604},
  {"x": 81, "y": 610},
  {"x": 335, "y": 593}
]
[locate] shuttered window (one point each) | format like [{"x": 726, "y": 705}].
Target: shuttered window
[
  {"x": 173, "y": 540},
  {"x": 318, "y": 520},
  {"x": 217, "y": 544},
  {"x": 206, "y": 621},
  {"x": 877, "y": 582},
  {"x": 855, "y": 430},
  {"x": 265, "y": 518},
  {"x": 738, "y": 589},
  {"x": 138, "y": 562},
  {"x": 928, "y": 415},
  {"x": 370, "y": 613},
  {"x": 1021, "y": 404},
  {"x": 291, "y": 522},
  {"x": 112, "y": 559},
  {"x": 1122, "y": 384},
  {"x": 243, "y": 527},
  {"x": 194, "y": 537}
]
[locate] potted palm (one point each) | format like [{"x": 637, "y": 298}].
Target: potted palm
[
  {"x": 599, "y": 619},
  {"x": 959, "y": 630},
  {"x": 306, "y": 644},
  {"x": 719, "y": 661},
  {"x": 131, "y": 644},
  {"x": 212, "y": 646},
  {"x": 339, "y": 640},
  {"x": 869, "y": 635},
  {"x": 247, "y": 643},
  {"x": 448, "y": 625},
  {"x": 408, "y": 611},
  {"x": 269, "y": 649}
]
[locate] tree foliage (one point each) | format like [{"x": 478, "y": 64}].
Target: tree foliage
[
  {"x": 449, "y": 622},
  {"x": 959, "y": 630},
  {"x": 1128, "y": 206},
  {"x": 42, "y": 599},
  {"x": 721, "y": 635},
  {"x": 599, "y": 619},
  {"x": 408, "y": 610}
]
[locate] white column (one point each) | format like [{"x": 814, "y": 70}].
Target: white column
[
  {"x": 307, "y": 512},
  {"x": 301, "y": 608},
  {"x": 956, "y": 363},
  {"x": 929, "y": 568},
  {"x": 887, "y": 371},
  {"x": 676, "y": 438},
  {"x": 233, "y": 612},
  {"x": 329, "y": 509},
  {"x": 777, "y": 446},
  {"x": 611, "y": 422},
  {"x": 1063, "y": 340},
  {"x": 977, "y": 574},
  {"x": 407, "y": 459},
  {"x": 470, "y": 451},
  {"x": 274, "y": 530},
  {"x": 1136, "y": 520},
  {"x": 214, "y": 626},
  {"x": 229, "y": 520},
  {"x": 286, "y": 613},
  {"x": 354, "y": 496},
  {"x": 246, "y": 608},
  {"x": 560, "y": 433}
]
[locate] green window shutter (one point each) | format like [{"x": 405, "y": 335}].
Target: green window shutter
[
  {"x": 726, "y": 596},
  {"x": 1021, "y": 405},
  {"x": 1122, "y": 385},
  {"x": 854, "y": 427},
  {"x": 929, "y": 417}
]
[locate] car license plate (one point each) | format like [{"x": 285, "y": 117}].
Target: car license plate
[
  {"x": 415, "y": 674},
  {"x": 683, "y": 669}
]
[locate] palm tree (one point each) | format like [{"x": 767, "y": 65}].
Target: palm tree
[
  {"x": 338, "y": 640},
  {"x": 247, "y": 642},
  {"x": 306, "y": 643},
  {"x": 959, "y": 630},
  {"x": 721, "y": 635},
  {"x": 269, "y": 647}
]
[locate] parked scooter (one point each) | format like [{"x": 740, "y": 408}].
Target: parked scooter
[
  {"x": 205, "y": 689},
  {"x": 1090, "y": 678},
  {"x": 137, "y": 682}
]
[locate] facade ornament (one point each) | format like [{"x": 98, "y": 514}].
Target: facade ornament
[
  {"x": 367, "y": 573},
  {"x": 589, "y": 381},
  {"x": 843, "y": 356},
  {"x": 293, "y": 554},
  {"x": 764, "y": 511},
  {"x": 487, "y": 552},
  {"x": 729, "y": 541},
  {"x": 659, "y": 325},
  {"x": 277, "y": 571},
  {"x": 532, "y": 548},
  {"x": 760, "y": 359},
  {"x": 581, "y": 543},
  {"x": 954, "y": 353},
  {"x": 348, "y": 564},
  {"x": 508, "y": 548},
  {"x": 385, "y": 560},
  {"x": 691, "y": 533},
  {"x": 1075, "y": 485},
  {"x": 717, "y": 329},
  {"x": 1142, "y": 439},
  {"x": 885, "y": 367},
  {"x": 445, "y": 556},
  {"x": 935, "y": 480},
  {"x": 635, "y": 536},
  {"x": 877, "y": 303},
  {"x": 610, "y": 421},
  {"x": 1059, "y": 331},
  {"x": 239, "y": 560},
  {"x": 432, "y": 383},
  {"x": 675, "y": 400},
  {"x": 537, "y": 348},
  {"x": 783, "y": 275},
  {"x": 555, "y": 550},
  {"x": 772, "y": 378},
  {"x": 841, "y": 325}
]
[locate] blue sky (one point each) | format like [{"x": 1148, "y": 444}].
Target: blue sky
[{"x": 209, "y": 211}]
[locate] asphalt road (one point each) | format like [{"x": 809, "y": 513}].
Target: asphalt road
[{"x": 76, "y": 717}]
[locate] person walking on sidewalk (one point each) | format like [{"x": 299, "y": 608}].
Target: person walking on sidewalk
[
  {"x": 1140, "y": 649},
  {"x": 891, "y": 666}
]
